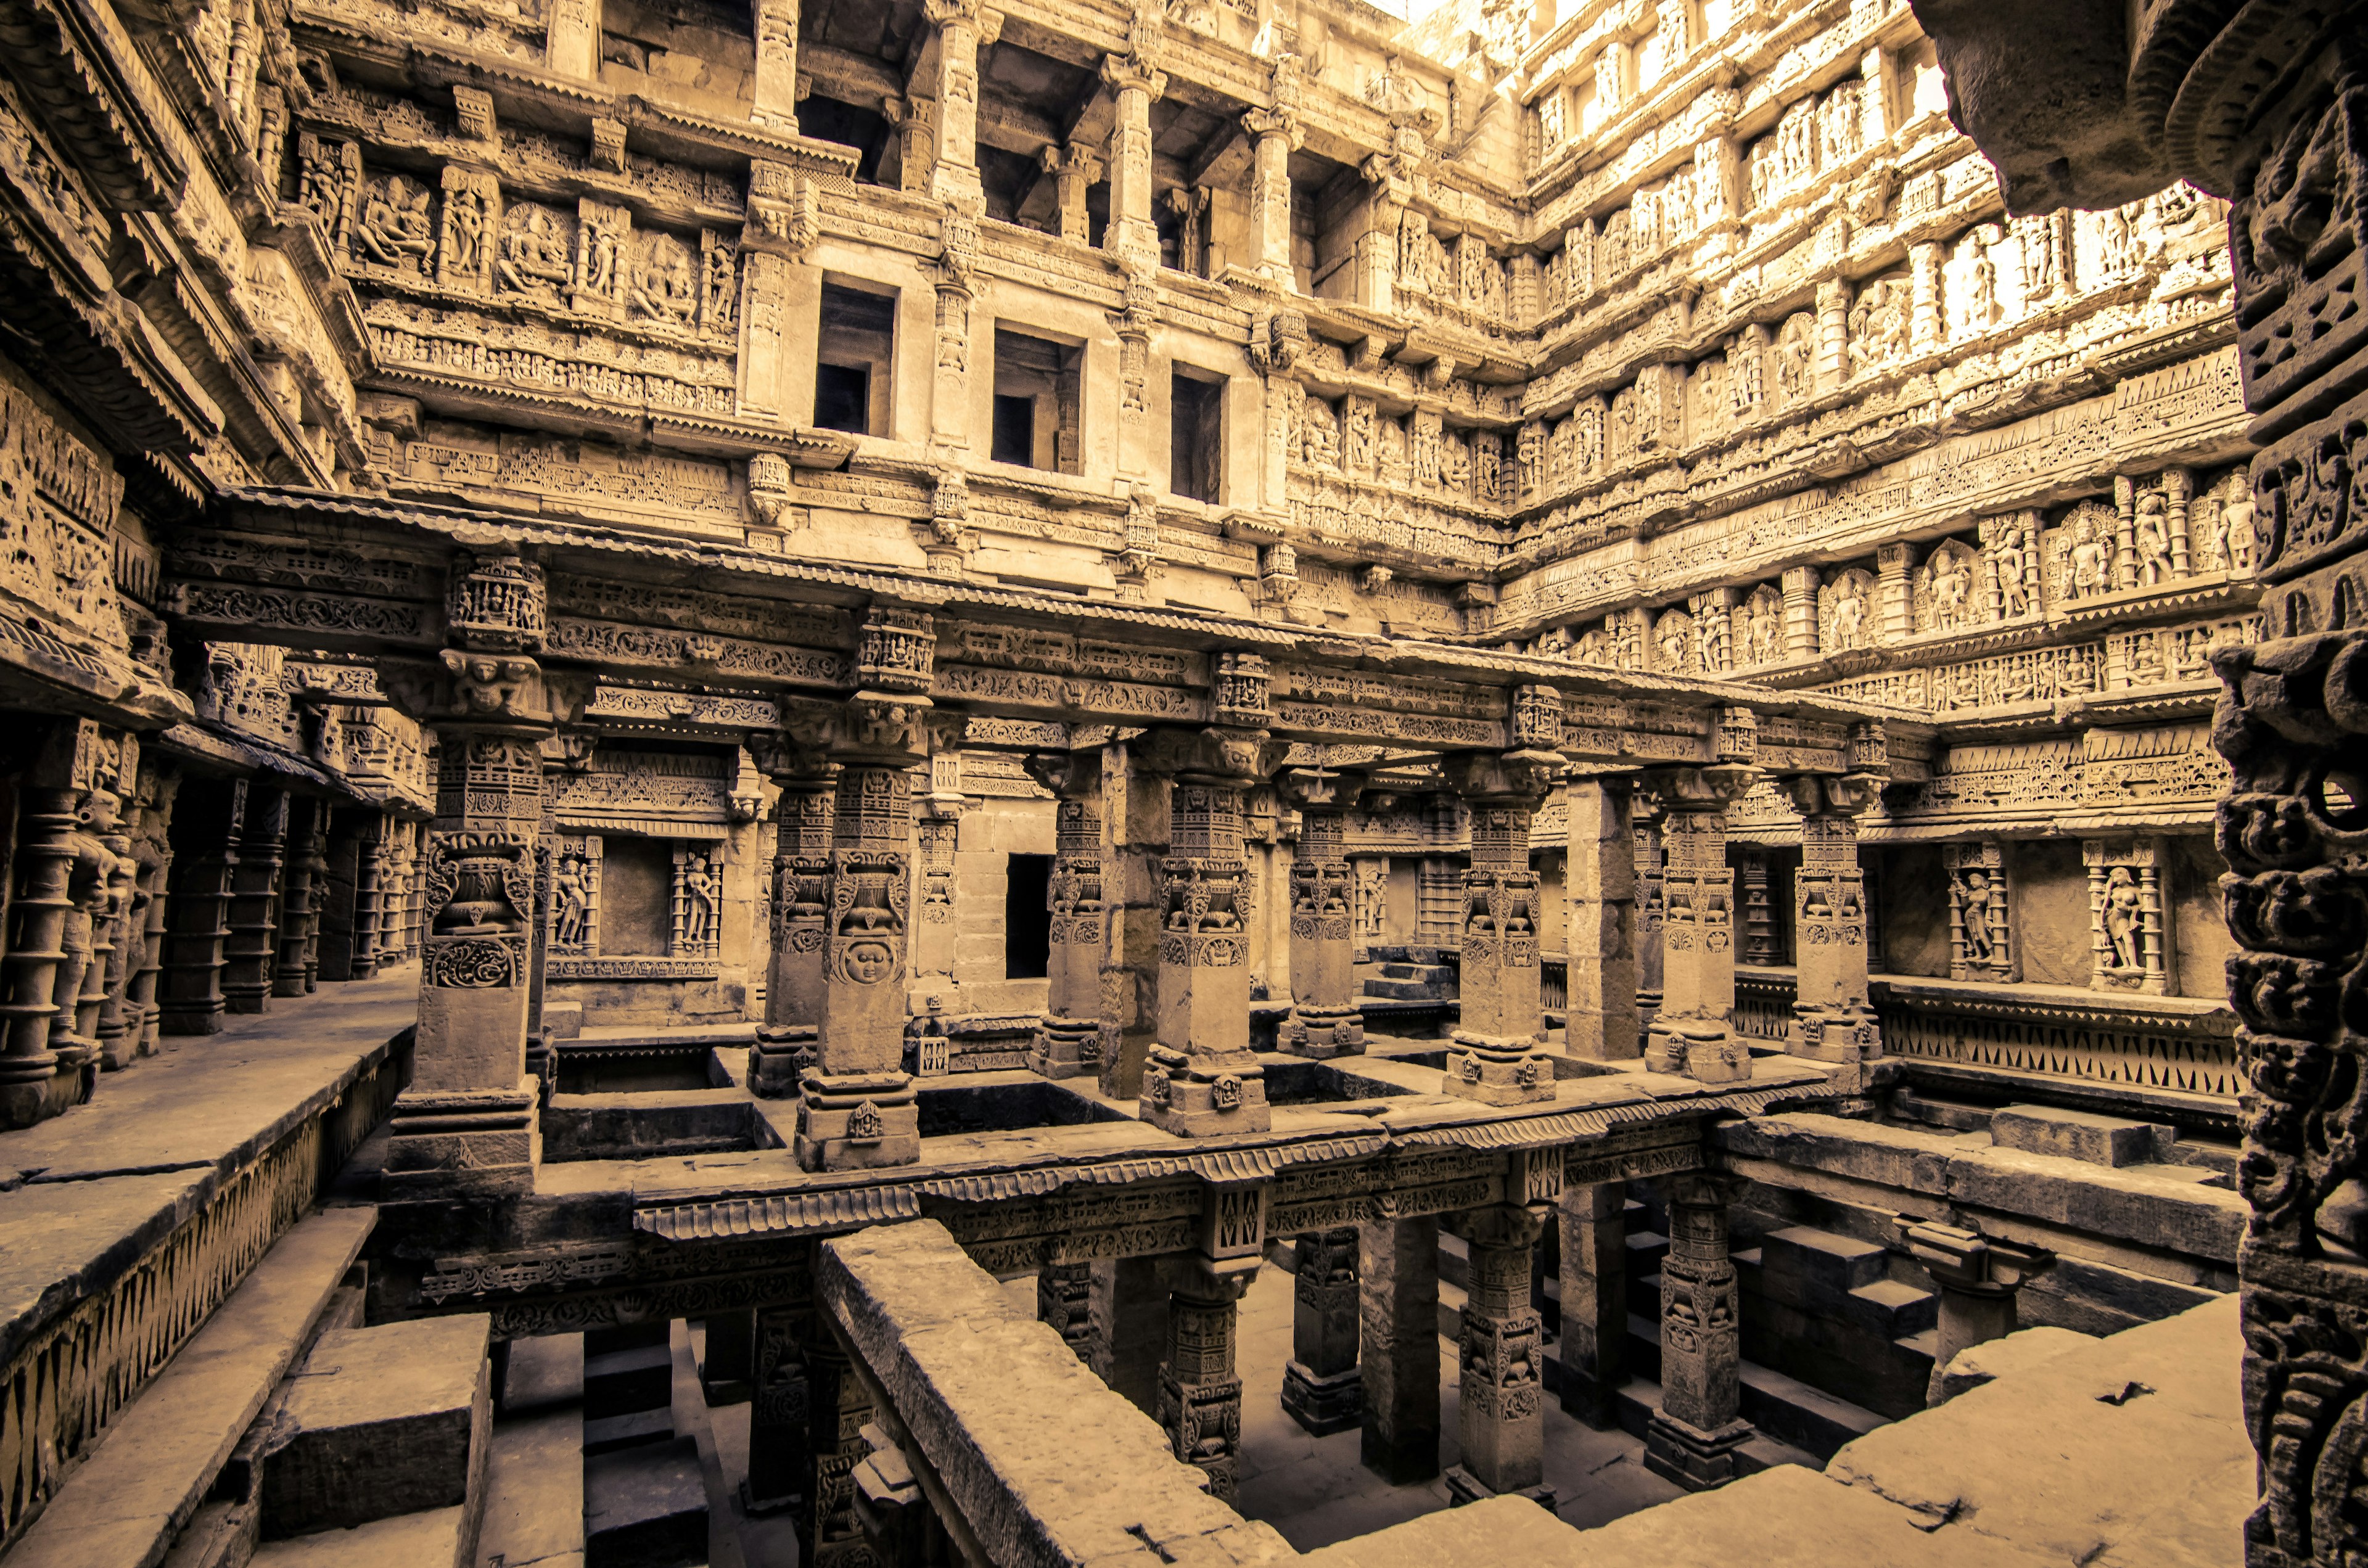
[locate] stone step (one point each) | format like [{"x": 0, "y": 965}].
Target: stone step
[
  {"x": 1405, "y": 991},
  {"x": 607, "y": 1433},
  {"x": 2079, "y": 1135},
  {"x": 1399, "y": 952},
  {"x": 534, "y": 1485},
  {"x": 1639, "y": 1401},
  {"x": 1450, "y": 1311},
  {"x": 439, "y": 1538},
  {"x": 1785, "y": 1409},
  {"x": 382, "y": 1421},
  {"x": 645, "y": 1508},
  {"x": 618, "y": 1382},
  {"x": 1425, "y": 972},
  {"x": 1821, "y": 1259}
]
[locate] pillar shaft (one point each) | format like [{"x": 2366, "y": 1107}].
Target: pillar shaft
[
  {"x": 1131, "y": 236},
  {"x": 39, "y": 986},
  {"x": 774, "y": 93},
  {"x": 1400, "y": 1348},
  {"x": 1832, "y": 1020},
  {"x": 1065, "y": 1300},
  {"x": 1691, "y": 1441},
  {"x": 829, "y": 1533},
  {"x": 251, "y": 950},
  {"x": 1500, "y": 1408},
  {"x": 1199, "y": 1396},
  {"x": 1068, "y": 1043},
  {"x": 1129, "y": 1309},
  {"x": 1323, "y": 1389},
  {"x": 302, "y": 888},
  {"x": 1601, "y": 941},
  {"x": 1499, "y": 1056},
  {"x": 1274, "y": 136},
  {"x": 1594, "y": 1301},
  {"x": 953, "y": 174},
  {"x": 802, "y": 829},
  {"x": 208, "y": 819},
  {"x": 1136, "y": 812},
  {"x": 1326, "y": 1020},
  {"x": 1692, "y": 1032},
  {"x": 780, "y": 1418}
]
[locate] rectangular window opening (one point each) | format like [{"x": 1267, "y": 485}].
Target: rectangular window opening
[
  {"x": 854, "y": 359},
  {"x": 1196, "y": 451},
  {"x": 1039, "y": 385},
  {"x": 1027, "y": 916}
]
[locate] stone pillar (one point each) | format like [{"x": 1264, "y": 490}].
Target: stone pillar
[
  {"x": 1400, "y": 1305},
  {"x": 38, "y": 998},
  {"x": 1979, "y": 1279},
  {"x": 1500, "y": 1404},
  {"x": 1499, "y": 1056},
  {"x": 1068, "y": 1043},
  {"x": 1326, "y": 1020},
  {"x": 1130, "y": 237},
  {"x": 1064, "y": 1299},
  {"x": 1199, "y": 1395},
  {"x": 802, "y": 822},
  {"x": 208, "y": 819},
  {"x": 1895, "y": 591},
  {"x": 1800, "y": 584},
  {"x": 467, "y": 1122},
  {"x": 572, "y": 40},
  {"x": 1594, "y": 1301},
  {"x": 962, "y": 26},
  {"x": 1136, "y": 809},
  {"x": 1202, "y": 1077},
  {"x": 1691, "y": 1441},
  {"x": 1275, "y": 135},
  {"x": 1129, "y": 1307},
  {"x": 1694, "y": 1032},
  {"x": 1652, "y": 906},
  {"x": 111, "y": 1028},
  {"x": 1322, "y": 1388},
  {"x": 298, "y": 971},
  {"x": 1075, "y": 171},
  {"x": 1759, "y": 946},
  {"x": 252, "y": 947},
  {"x": 774, "y": 93},
  {"x": 781, "y": 1416},
  {"x": 1831, "y": 1018},
  {"x": 829, "y": 1535},
  {"x": 727, "y": 1362}
]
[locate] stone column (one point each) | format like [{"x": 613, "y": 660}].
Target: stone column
[
  {"x": 1137, "y": 83},
  {"x": 1064, "y": 1299},
  {"x": 1202, "y": 1077},
  {"x": 252, "y": 947},
  {"x": 1651, "y": 906},
  {"x": 572, "y": 40},
  {"x": 1322, "y": 1388},
  {"x": 829, "y": 1534},
  {"x": 962, "y": 25},
  {"x": 41, "y": 906},
  {"x": 1979, "y": 1279},
  {"x": 774, "y": 93},
  {"x": 467, "y": 1122},
  {"x": 1599, "y": 943},
  {"x": 1275, "y": 135},
  {"x": 1326, "y": 1020},
  {"x": 1831, "y": 1018},
  {"x": 297, "y": 972},
  {"x": 1199, "y": 1395},
  {"x": 780, "y": 1413},
  {"x": 1128, "y": 1308},
  {"x": 1075, "y": 171},
  {"x": 1800, "y": 588},
  {"x": 1400, "y": 1305},
  {"x": 1594, "y": 1301},
  {"x": 1500, "y": 1404},
  {"x": 802, "y": 823},
  {"x": 112, "y": 1029},
  {"x": 1499, "y": 1056},
  {"x": 1068, "y": 1043},
  {"x": 1136, "y": 810},
  {"x": 1694, "y": 1032},
  {"x": 1691, "y": 1441},
  {"x": 857, "y": 1108},
  {"x": 208, "y": 819}
]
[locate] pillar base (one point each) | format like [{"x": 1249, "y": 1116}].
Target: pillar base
[
  {"x": 1462, "y": 1487},
  {"x": 1322, "y": 1032},
  {"x": 782, "y": 1053},
  {"x": 1400, "y": 1459},
  {"x": 463, "y": 1141},
  {"x": 1684, "y": 1455},
  {"x": 35, "y": 1088},
  {"x": 1498, "y": 1072},
  {"x": 858, "y": 1122},
  {"x": 1065, "y": 1048},
  {"x": 1845, "y": 1036},
  {"x": 1203, "y": 1098},
  {"x": 1706, "y": 1053},
  {"x": 1322, "y": 1403}
]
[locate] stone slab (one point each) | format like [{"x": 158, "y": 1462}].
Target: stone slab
[
  {"x": 2128, "y": 1451},
  {"x": 2017, "y": 1352},
  {"x": 645, "y": 1508},
  {"x": 148, "y": 1475},
  {"x": 534, "y": 1492},
  {"x": 381, "y": 1421},
  {"x": 429, "y": 1540},
  {"x": 543, "y": 1373},
  {"x": 2073, "y": 1135}
]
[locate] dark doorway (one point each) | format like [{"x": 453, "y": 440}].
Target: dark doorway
[{"x": 1027, "y": 920}]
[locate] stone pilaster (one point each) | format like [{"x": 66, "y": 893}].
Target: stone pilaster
[
  {"x": 1322, "y": 1388},
  {"x": 1400, "y": 1348},
  {"x": 1831, "y": 1018},
  {"x": 1065, "y": 1300},
  {"x": 1325, "y": 1019},
  {"x": 1200, "y": 1392},
  {"x": 1800, "y": 589},
  {"x": 1694, "y": 1032},
  {"x": 1651, "y": 906},
  {"x": 1500, "y": 1404},
  {"x": 209, "y": 821},
  {"x": 1069, "y": 1042},
  {"x": 468, "y": 1122},
  {"x": 1594, "y": 1255},
  {"x": 1499, "y": 1056},
  {"x": 802, "y": 827},
  {"x": 251, "y": 950},
  {"x": 1601, "y": 929},
  {"x": 1979, "y": 1279},
  {"x": 1692, "y": 1439},
  {"x": 774, "y": 93}
]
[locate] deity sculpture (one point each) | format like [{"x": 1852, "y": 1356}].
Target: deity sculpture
[
  {"x": 2123, "y": 915},
  {"x": 1973, "y": 899},
  {"x": 394, "y": 228}
]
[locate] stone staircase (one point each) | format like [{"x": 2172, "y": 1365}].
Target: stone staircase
[
  {"x": 1410, "y": 974},
  {"x": 644, "y": 1495},
  {"x": 1833, "y": 1311}
]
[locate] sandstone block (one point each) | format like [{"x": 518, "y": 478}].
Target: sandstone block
[
  {"x": 645, "y": 1508},
  {"x": 2073, "y": 1135}
]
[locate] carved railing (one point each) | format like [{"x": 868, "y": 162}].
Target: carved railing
[{"x": 2178, "y": 1044}]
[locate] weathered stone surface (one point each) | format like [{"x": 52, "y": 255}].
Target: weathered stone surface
[
  {"x": 426, "y": 1539},
  {"x": 2022, "y": 1351},
  {"x": 2073, "y": 1135},
  {"x": 381, "y": 1421},
  {"x": 645, "y": 1508}
]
